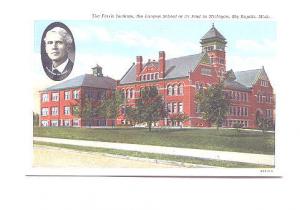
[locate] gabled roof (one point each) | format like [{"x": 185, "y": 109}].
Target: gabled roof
[
  {"x": 249, "y": 77},
  {"x": 235, "y": 85},
  {"x": 213, "y": 33},
  {"x": 86, "y": 80},
  {"x": 175, "y": 68}
]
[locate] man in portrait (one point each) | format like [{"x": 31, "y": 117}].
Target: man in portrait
[{"x": 58, "y": 45}]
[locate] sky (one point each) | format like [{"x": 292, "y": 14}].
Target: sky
[{"x": 114, "y": 44}]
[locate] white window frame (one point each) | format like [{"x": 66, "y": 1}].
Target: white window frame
[
  {"x": 76, "y": 94},
  {"x": 180, "y": 107},
  {"x": 67, "y": 110},
  {"x": 45, "y": 97},
  {"x": 67, "y": 95},
  {"x": 54, "y": 123},
  {"x": 55, "y": 96},
  {"x": 45, "y": 111},
  {"x": 76, "y": 122},
  {"x": 45, "y": 123},
  {"x": 54, "y": 111},
  {"x": 67, "y": 123}
]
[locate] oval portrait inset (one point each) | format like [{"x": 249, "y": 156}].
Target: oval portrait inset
[{"x": 57, "y": 51}]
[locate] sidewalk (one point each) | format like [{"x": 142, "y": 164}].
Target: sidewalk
[{"x": 198, "y": 153}]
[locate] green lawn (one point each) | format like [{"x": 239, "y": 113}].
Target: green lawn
[{"x": 211, "y": 139}]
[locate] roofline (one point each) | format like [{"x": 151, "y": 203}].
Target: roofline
[
  {"x": 133, "y": 64},
  {"x": 139, "y": 82}
]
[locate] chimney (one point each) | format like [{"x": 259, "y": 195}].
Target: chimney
[
  {"x": 97, "y": 71},
  {"x": 162, "y": 64},
  {"x": 139, "y": 67}
]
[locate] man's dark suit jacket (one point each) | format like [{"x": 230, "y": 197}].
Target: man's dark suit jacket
[{"x": 58, "y": 76}]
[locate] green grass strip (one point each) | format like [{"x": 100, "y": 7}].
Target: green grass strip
[{"x": 208, "y": 139}]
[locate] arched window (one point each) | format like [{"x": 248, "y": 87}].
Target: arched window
[
  {"x": 175, "y": 90},
  {"x": 180, "y": 89},
  {"x": 128, "y": 93},
  {"x": 170, "y": 90}
]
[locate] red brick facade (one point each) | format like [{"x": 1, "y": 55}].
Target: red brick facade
[
  {"x": 250, "y": 92},
  {"x": 62, "y": 104}
]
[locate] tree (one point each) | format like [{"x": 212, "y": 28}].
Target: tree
[
  {"x": 87, "y": 111},
  {"x": 132, "y": 115},
  {"x": 110, "y": 107},
  {"x": 179, "y": 117},
  {"x": 264, "y": 123},
  {"x": 213, "y": 104},
  {"x": 36, "y": 119},
  {"x": 150, "y": 106}
]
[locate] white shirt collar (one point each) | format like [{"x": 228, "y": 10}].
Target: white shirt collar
[{"x": 62, "y": 66}]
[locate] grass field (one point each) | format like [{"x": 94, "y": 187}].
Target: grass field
[{"x": 210, "y": 139}]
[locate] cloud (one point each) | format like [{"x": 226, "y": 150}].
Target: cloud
[
  {"x": 241, "y": 63},
  {"x": 133, "y": 39},
  {"x": 265, "y": 45},
  {"x": 113, "y": 66}
]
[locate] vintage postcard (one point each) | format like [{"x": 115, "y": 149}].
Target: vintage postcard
[{"x": 155, "y": 95}]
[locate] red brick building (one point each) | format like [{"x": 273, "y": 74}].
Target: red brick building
[
  {"x": 61, "y": 103},
  {"x": 179, "y": 79}
]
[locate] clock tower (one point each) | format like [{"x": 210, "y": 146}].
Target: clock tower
[{"x": 213, "y": 43}]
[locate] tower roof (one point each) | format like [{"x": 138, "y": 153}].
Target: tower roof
[{"x": 213, "y": 33}]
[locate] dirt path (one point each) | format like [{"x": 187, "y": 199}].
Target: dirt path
[{"x": 45, "y": 156}]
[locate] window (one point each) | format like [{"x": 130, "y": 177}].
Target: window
[
  {"x": 55, "y": 96},
  {"x": 209, "y": 48},
  {"x": 144, "y": 77},
  {"x": 169, "y": 90},
  {"x": 128, "y": 93},
  {"x": 67, "y": 95},
  {"x": 76, "y": 94},
  {"x": 152, "y": 76},
  {"x": 169, "y": 107},
  {"x": 180, "y": 107},
  {"x": 174, "y": 107},
  {"x": 148, "y": 76},
  {"x": 54, "y": 111},
  {"x": 206, "y": 71},
  {"x": 175, "y": 90},
  {"x": 44, "y": 123},
  {"x": 67, "y": 123},
  {"x": 156, "y": 75},
  {"x": 54, "y": 123},
  {"x": 76, "y": 123},
  {"x": 180, "y": 89},
  {"x": 268, "y": 113},
  {"x": 45, "y": 111},
  {"x": 45, "y": 97},
  {"x": 242, "y": 111},
  {"x": 67, "y": 110},
  {"x": 131, "y": 93},
  {"x": 246, "y": 111},
  {"x": 264, "y": 83}
]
